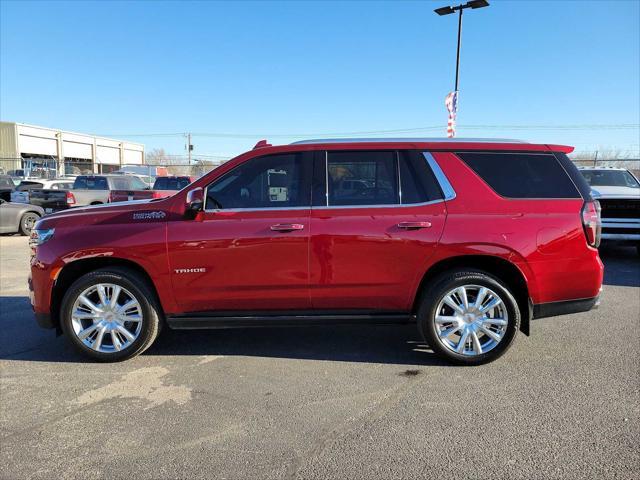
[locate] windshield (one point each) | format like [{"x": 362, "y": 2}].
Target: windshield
[{"x": 610, "y": 178}]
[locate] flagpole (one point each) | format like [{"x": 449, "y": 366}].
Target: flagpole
[
  {"x": 458, "y": 51},
  {"x": 451, "y": 101}
]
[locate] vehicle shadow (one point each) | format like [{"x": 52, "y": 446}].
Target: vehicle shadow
[
  {"x": 23, "y": 340},
  {"x": 621, "y": 265},
  {"x": 392, "y": 344}
]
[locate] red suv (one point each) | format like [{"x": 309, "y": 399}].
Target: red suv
[{"x": 469, "y": 239}]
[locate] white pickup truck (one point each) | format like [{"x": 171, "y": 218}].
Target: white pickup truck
[
  {"x": 618, "y": 192},
  {"x": 22, "y": 191},
  {"x": 96, "y": 189}
]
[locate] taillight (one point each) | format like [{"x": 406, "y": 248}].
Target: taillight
[
  {"x": 71, "y": 200},
  {"x": 592, "y": 223}
]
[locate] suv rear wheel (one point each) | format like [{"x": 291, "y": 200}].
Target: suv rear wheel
[
  {"x": 110, "y": 314},
  {"x": 469, "y": 317}
]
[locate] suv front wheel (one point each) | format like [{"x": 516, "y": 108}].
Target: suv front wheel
[
  {"x": 110, "y": 314},
  {"x": 468, "y": 317}
]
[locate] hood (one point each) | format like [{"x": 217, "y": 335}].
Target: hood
[
  {"x": 151, "y": 210},
  {"x": 615, "y": 192}
]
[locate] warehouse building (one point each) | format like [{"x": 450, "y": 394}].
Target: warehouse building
[{"x": 27, "y": 150}]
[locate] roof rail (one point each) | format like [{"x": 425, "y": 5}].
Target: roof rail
[{"x": 409, "y": 140}]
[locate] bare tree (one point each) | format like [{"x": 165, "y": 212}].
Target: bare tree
[{"x": 157, "y": 156}]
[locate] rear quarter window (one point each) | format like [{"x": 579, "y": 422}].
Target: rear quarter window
[
  {"x": 522, "y": 175},
  {"x": 90, "y": 183}
]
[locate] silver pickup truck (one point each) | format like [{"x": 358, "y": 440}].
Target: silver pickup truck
[
  {"x": 618, "y": 192},
  {"x": 96, "y": 189}
]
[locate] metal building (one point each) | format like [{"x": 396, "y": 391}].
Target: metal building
[{"x": 28, "y": 150}]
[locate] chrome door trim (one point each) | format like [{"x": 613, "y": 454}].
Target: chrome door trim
[{"x": 447, "y": 189}]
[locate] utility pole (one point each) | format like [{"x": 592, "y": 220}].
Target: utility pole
[{"x": 189, "y": 146}]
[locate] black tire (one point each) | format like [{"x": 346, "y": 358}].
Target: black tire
[
  {"x": 144, "y": 294},
  {"x": 27, "y": 221},
  {"x": 444, "y": 283}
]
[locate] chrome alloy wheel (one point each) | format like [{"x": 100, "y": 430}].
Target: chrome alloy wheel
[
  {"x": 471, "y": 320},
  {"x": 106, "y": 317}
]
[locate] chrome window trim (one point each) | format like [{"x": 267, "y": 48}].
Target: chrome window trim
[
  {"x": 390, "y": 205},
  {"x": 326, "y": 178},
  {"x": 446, "y": 187},
  {"x": 322, "y": 207},
  {"x": 264, "y": 209}
]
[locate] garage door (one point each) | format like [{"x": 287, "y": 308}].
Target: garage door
[
  {"x": 108, "y": 155},
  {"x": 132, "y": 157},
  {"x": 37, "y": 145},
  {"x": 76, "y": 150}
]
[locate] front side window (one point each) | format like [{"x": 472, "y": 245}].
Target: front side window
[
  {"x": 272, "y": 181},
  {"x": 362, "y": 178}
]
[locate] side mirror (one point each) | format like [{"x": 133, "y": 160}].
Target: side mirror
[{"x": 195, "y": 200}]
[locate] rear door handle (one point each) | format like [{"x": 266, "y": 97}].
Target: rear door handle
[
  {"x": 287, "y": 227},
  {"x": 414, "y": 225}
]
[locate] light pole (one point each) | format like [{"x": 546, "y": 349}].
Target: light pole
[
  {"x": 452, "y": 99},
  {"x": 449, "y": 10}
]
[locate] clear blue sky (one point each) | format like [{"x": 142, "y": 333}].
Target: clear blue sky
[{"x": 287, "y": 68}]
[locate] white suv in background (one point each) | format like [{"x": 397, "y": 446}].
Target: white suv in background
[{"x": 618, "y": 192}]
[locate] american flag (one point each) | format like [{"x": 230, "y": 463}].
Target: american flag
[{"x": 451, "y": 102}]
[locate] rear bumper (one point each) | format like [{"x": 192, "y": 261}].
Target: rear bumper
[{"x": 553, "y": 309}]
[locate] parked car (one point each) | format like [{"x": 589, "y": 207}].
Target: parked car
[
  {"x": 162, "y": 187},
  {"x": 172, "y": 184},
  {"x": 96, "y": 189},
  {"x": 18, "y": 217},
  {"x": 6, "y": 187},
  {"x": 468, "y": 239},
  {"x": 618, "y": 192},
  {"x": 22, "y": 191}
]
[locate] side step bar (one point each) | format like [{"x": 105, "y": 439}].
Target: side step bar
[{"x": 204, "y": 321}]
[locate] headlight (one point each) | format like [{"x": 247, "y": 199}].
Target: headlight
[{"x": 39, "y": 236}]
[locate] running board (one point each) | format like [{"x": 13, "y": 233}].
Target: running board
[{"x": 195, "y": 322}]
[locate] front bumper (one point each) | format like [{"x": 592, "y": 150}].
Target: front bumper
[{"x": 621, "y": 229}]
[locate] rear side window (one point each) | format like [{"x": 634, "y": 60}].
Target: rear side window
[
  {"x": 171, "y": 183},
  {"x": 362, "y": 178},
  {"x": 28, "y": 185},
  {"x": 417, "y": 183},
  {"x": 90, "y": 183},
  {"x": 522, "y": 175}
]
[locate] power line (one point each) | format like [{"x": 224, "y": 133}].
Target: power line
[{"x": 621, "y": 126}]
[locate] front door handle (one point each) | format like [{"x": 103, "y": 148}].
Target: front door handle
[
  {"x": 414, "y": 225},
  {"x": 287, "y": 227}
]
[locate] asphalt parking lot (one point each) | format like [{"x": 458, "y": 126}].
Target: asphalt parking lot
[{"x": 324, "y": 402}]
